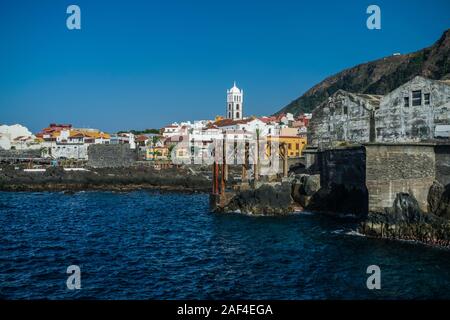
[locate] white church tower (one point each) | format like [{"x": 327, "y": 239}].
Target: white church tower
[{"x": 235, "y": 100}]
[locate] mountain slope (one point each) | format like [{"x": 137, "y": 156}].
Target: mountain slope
[{"x": 380, "y": 76}]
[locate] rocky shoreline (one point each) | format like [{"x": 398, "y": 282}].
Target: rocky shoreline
[
  {"x": 403, "y": 221},
  {"x": 406, "y": 221},
  {"x": 107, "y": 179}
]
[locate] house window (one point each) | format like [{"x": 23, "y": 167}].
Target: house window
[
  {"x": 237, "y": 114},
  {"x": 426, "y": 98},
  {"x": 289, "y": 146},
  {"x": 417, "y": 98},
  {"x": 345, "y": 109},
  {"x": 237, "y": 107},
  {"x": 297, "y": 146},
  {"x": 406, "y": 100}
]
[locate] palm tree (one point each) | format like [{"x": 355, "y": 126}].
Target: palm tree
[{"x": 155, "y": 139}]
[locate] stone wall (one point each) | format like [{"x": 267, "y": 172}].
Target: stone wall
[
  {"x": 111, "y": 156},
  {"x": 342, "y": 182},
  {"x": 342, "y": 166},
  {"x": 392, "y": 169}
]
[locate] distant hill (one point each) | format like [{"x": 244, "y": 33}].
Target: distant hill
[{"x": 379, "y": 76}]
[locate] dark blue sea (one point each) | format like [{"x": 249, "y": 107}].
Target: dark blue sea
[{"x": 148, "y": 245}]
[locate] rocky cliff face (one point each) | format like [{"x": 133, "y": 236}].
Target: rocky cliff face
[{"x": 380, "y": 76}]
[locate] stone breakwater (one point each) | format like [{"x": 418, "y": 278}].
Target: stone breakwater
[{"x": 116, "y": 179}]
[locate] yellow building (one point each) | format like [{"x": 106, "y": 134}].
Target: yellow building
[
  {"x": 295, "y": 144},
  {"x": 157, "y": 153}
]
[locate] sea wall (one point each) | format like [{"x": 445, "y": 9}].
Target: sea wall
[
  {"x": 342, "y": 182},
  {"x": 396, "y": 191},
  {"x": 399, "y": 168},
  {"x": 342, "y": 166}
]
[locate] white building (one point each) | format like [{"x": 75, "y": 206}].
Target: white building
[
  {"x": 250, "y": 125},
  {"x": 76, "y": 151},
  {"x": 16, "y": 136},
  {"x": 124, "y": 138},
  {"x": 171, "y": 130},
  {"x": 5, "y": 142},
  {"x": 235, "y": 101}
]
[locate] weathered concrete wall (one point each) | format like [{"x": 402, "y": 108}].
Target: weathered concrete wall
[
  {"x": 409, "y": 113},
  {"x": 69, "y": 151},
  {"x": 342, "y": 182},
  {"x": 342, "y": 166},
  {"x": 393, "y": 169},
  {"x": 403, "y": 121},
  {"x": 310, "y": 155},
  {"x": 344, "y": 117},
  {"x": 111, "y": 156},
  {"x": 443, "y": 164}
]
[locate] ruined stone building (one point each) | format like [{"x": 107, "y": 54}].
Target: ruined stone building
[
  {"x": 344, "y": 117},
  {"x": 414, "y": 112},
  {"x": 417, "y": 111}
]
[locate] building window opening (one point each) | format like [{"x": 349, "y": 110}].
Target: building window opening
[
  {"x": 406, "y": 101},
  {"x": 417, "y": 98},
  {"x": 426, "y": 98}
]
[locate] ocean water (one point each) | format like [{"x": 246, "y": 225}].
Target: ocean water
[{"x": 148, "y": 245}]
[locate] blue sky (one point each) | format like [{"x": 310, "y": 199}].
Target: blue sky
[{"x": 142, "y": 64}]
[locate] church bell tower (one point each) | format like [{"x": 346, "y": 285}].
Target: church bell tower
[{"x": 235, "y": 101}]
